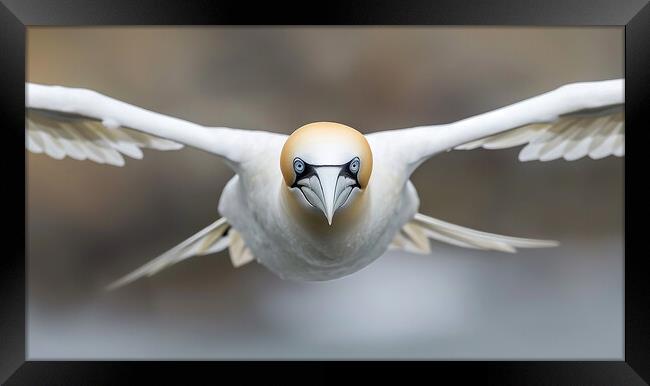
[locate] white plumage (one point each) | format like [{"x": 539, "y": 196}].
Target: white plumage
[
  {"x": 327, "y": 200},
  {"x": 59, "y": 135},
  {"x": 571, "y": 137}
]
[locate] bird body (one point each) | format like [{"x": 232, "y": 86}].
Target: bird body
[
  {"x": 327, "y": 200},
  {"x": 293, "y": 241}
]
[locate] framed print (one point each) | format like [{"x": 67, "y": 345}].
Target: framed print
[{"x": 434, "y": 186}]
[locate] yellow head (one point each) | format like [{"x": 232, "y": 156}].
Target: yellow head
[{"x": 326, "y": 162}]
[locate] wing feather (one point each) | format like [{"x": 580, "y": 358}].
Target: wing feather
[
  {"x": 414, "y": 236},
  {"x": 556, "y": 147},
  {"x": 193, "y": 246},
  {"x": 32, "y": 143},
  {"x": 514, "y": 138},
  {"x": 571, "y": 137},
  {"x": 619, "y": 147},
  {"x": 83, "y": 138},
  {"x": 578, "y": 147},
  {"x": 606, "y": 146},
  {"x": 50, "y": 146},
  {"x": 73, "y": 147},
  {"x": 478, "y": 239}
]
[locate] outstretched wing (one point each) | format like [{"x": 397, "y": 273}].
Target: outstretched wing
[
  {"x": 212, "y": 239},
  {"x": 597, "y": 133},
  {"x": 570, "y": 122},
  {"x": 415, "y": 235},
  {"x": 84, "y": 124},
  {"x": 61, "y": 135}
]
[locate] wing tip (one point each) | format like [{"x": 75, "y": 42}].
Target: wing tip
[
  {"x": 115, "y": 285},
  {"x": 506, "y": 248},
  {"x": 533, "y": 244},
  {"x": 124, "y": 280},
  {"x": 546, "y": 244}
]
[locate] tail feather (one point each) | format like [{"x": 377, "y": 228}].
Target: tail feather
[
  {"x": 410, "y": 237},
  {"x": 212, "y": 239}
]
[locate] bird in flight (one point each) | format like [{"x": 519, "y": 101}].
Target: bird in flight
[{"x": 325, "y": 201}]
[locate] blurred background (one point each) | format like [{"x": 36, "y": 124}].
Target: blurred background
[{"x": 89, "y": 224}]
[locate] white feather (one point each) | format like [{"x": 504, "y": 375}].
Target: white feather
[
  {"x": 209, "y": 240},
  {"x": 35, "y": 136},
  {"x": 555, "y": 148},
  {"x": 606, "y": 145},
  {"x": 239, "y": 253},
  {"x": 468, "y": 238},
  {"x": 32, "y": 143},
  {"x": 50, "y": 147},
  {"x": 516, "y": 137},
  {"x": 578, "y": 147}
]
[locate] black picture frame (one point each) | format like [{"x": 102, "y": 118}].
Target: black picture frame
[{"x": 16, "y": 15}]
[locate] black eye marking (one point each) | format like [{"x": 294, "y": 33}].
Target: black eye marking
[
  {"x": 351, "y": 170},
  {"x": 305, "y": 170}
]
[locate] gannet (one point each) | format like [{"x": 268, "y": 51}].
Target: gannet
[{"x": 327, "y": 200}]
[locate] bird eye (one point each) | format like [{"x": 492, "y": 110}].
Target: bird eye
[
  {"x": 354, "y": 165},
  {"x": 298, "y": 165}
]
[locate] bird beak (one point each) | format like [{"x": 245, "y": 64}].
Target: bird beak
[
  {"x": 327, "y": 190},
  {"x": 328, "y": 176}
]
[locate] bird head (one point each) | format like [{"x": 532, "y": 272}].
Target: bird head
[{"x": 326, "y": 164}]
